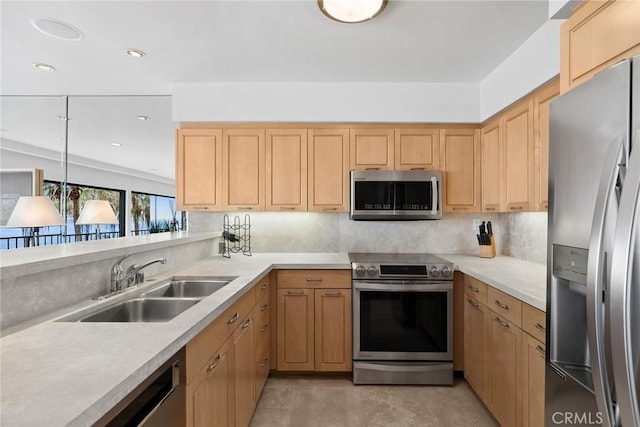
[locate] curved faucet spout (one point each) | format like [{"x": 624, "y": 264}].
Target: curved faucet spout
[{"x": 135, "y": 269}]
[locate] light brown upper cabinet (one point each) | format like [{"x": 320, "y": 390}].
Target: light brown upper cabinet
[
  {"x": 460, "y": 162},
  {"x": 417, "y": 149},
  {"x": 243, "y": 166},
  {"x": 372, "y": 149},
  {"x": 492, "y": 181},
  {"x": 328, "y": 166},
  {"x": 541, "y": 104},
  {"x": 199, "y": 169},
  {"x": 286, "y": 169},
  {"x": 518, "y": 157},
  {"x": 599, "y": 34}
]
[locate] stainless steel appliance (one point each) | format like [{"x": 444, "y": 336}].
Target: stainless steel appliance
[
  {"x": 593, "y": 287},
  {"x": 395, "y": 195},
  {"x": 402, "y": 319}
]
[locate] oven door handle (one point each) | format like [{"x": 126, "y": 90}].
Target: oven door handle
[{"x": 390, "y": 287}]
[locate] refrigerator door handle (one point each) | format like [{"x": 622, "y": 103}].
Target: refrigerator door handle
[
  {"x": 624, "y": 329},
  {"x": 596, "y": 278}
]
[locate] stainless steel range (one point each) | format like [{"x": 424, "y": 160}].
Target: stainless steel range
[{"x": 402, "y": 319}]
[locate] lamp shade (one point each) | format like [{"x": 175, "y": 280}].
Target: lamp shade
[
  {"x": 352, "y": 11},
  {"x": 97, "y": 212},
  {"x": 34, "y": 211}
]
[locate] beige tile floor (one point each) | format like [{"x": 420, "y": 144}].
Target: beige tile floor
[{"x": 297, "y": 401}]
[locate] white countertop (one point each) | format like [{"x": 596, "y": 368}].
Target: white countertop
[{"x": 71, "y": 373}]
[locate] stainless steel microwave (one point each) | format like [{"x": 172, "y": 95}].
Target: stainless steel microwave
[{"x": 395, "y": 195}]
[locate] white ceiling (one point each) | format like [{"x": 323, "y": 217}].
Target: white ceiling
[{"x": 245, "y": 41}]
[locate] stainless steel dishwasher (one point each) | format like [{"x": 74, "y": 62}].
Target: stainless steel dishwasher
[{"x": 158, "y": 402}]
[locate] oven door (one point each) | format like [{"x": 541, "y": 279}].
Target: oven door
[{"x": 402, "y": 320}]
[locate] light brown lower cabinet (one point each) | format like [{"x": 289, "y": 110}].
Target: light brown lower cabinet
[
  {"x": 244, "y": 372},
  {"x": 533, "y": 382},
  {"x": 295, "y": 330},
  {"x": 332, "y": 330},
  {"x": 475, "y": 345}
]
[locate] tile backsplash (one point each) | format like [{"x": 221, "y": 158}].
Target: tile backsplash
[{"x": 520, "y": 235}]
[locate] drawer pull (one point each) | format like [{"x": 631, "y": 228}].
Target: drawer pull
[
  {"x": 417, "y": 169},
  {"x": 515, "y": 208},
  {"x": 295, "y": 292},
  {"x": 372, "y": 169},
  {"x": 489, "y": 209},
  {"x": 473, "y": 303},
  {"x": 284, "y": 208},
  {"x": 264, "y": 286},
  {"x": 233, "y": 319},
  {"x": 314, "y": 279},
  {"x": 244, "y": 208},
  {"x": 264, "y": 307},
  {"x": 264, "y": 363},
  {"x": 501, "y": 323},
  {"x": 246, "y": 324},
  {"x": 329, "y": 209},
  {"x": 474, "y": 289},
  {"x": 264, "y": 328},
  {"x": 540, "y": 349},
  {"x": 501, "y": 305},
  {"x": 460, "y": 209},
  {"x": 215, "y": 363},
  {"x": 333, "y": 293},
  {"x": 541, "y": 328}
]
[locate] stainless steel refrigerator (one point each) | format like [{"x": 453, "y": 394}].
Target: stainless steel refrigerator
[{"x": 593, "y": 268}]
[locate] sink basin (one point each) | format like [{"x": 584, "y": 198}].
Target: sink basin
[
  {"x": 188, "y": 288},
  {"x": 142, "y": 310}
]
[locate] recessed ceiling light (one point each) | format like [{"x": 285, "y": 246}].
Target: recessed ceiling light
[
  {"x": 116, "y": 144},
  {"x": 144, "y": 118},
  {"x": 57, "y": 29},
  {"x": 135, "y": 53},
  {"x": 44, "y": 67},
  {"x": 352, "y": 11}
]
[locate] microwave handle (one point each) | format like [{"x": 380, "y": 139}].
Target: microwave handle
[{"x": 434, "y": 195}]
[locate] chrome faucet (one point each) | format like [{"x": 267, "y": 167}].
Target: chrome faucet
[{"x": 120, "y": 280}]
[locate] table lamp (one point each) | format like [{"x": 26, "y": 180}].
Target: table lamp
[
  {"x": 97, "y": 212},
  {"x": 34, "y": 212}
]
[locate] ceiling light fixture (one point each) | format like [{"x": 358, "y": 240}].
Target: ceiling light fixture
[
  {"x": 43, "y": 66},
  {"x": 57, "y": 29},
  {"x": 352, "y": 11},
  {"x": 144, "y": 118},
  {"x": 136, "y": 53},
  {"x": 116, "y": 144}
]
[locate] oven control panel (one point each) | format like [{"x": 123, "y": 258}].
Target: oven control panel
[{"x": 402, "y": 271}]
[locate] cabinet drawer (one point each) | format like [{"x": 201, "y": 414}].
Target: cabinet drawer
[
  {"x": 262, "y": 288},
  {"x": 534, "y": 322},
  {"x": 200, "y": 348},
  {"x": 475, "y": 289},
  {"x": 506, "y": 306},
  {"x": 314, "y": 279}
]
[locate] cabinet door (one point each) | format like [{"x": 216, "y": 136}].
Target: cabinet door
[
  {"x": 492, "y": 179},
  {"x": 371, "y": 149},
  {"x": 328, "y": 170},
  {"x": 475, "y": 345},
  {"x": 199, "y": 169},
  {"x": 210, "y": 395},
  {"x": 333, "y": 330},
  {"x": 286, "y": 169},
  {"x": 460, "y": 157},
  {"x": 243, "y": 164},
  {"x": 244, "y": 372},
  {"x": 417, "y": 149},
  {"x": 295, "y": 330},
  {"x": 518, "y": 157},
  {"x": 505, "y": 371},
  {"x": 533, "y": 382},
  {"x": 541, "y": 103}
]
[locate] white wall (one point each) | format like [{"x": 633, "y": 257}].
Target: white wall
[
  {"x": 562, "y": 9},
  {"x": 535, "y": 62},
  {"x": 326, "y": 102}
]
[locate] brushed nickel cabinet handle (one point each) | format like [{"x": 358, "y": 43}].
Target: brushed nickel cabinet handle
[
  {"x": 540, "y": 349},
  {"x": 233, "y": 319},
  {"x": 372, "y": 169},
  {"x": 215, "y": 363},
  {"x": 473, "y": 303},
  {"x": 284, "y": 208},
  {"x": 314, "y": 279},
  {"x": 474, "y": 289},
  {"x": 264, "y": 363},
  {"x": 516, "y": 208},
  {"x": 329, "y": 209},
  {"x": 333, "y": 293},
  {"x": 460, "y": 209},
  {"x": 264, "y": 286},
  {"x": 295, "y": 292},
  {"x": 501, "y": 323},
  {"x": 244, "y": 208},
  {"x": 501, "y": 305},
  {"x": 264, "y": 328},
  {"x": 246, "y": 324},
  {"x": 417, "y": 169},
  {"x": 264, "y": 307},
  {"x": 541, "y": 328},
  {"x": 489, "y": 209}
]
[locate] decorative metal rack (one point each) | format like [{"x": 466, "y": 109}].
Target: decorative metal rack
[{"x": 236, "y": 236}]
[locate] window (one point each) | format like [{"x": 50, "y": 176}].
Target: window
[{"x": 151, "y": 213}]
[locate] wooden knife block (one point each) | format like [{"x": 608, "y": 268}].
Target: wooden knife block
[{"x": 488, "y": 251}]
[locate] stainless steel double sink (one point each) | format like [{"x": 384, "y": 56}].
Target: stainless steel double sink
[{"x": 160, "y": 304}]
